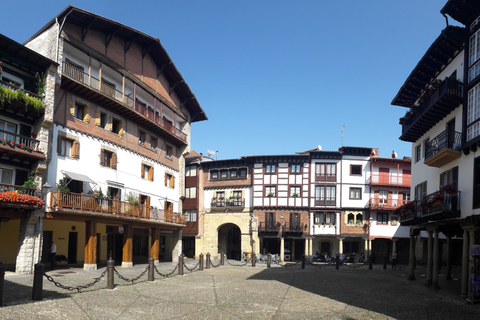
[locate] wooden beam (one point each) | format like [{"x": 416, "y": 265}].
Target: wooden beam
[
  {"x": 90, "y": 242},
  {"x": 155, "y": 244},
  {"x": 127, "y": 243}
]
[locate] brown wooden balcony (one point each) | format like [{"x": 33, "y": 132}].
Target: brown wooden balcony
[
  {"x": 330, "y": 202},
  {"x": 60, "y": 200},
  {"x": 446, "y": 98},
  {"x": 325, "y": 177},
  {"x": 377, "y": 203},
  {"x": 443, "y": 149},
  {"x": 91, "y": 88},
  {"x": 15, "y": 147},
  {"x": 391, "y": 180}
]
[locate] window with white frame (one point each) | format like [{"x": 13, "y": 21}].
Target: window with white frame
[
  {"x": 190, "y": 215},
  {"x": 295, "y": 168},
  {"x": 474, "y": 55},
  {"x": 355, "y": 193},
  {"x": 294, "y": 191},
  {"x": 190, "y": 171},
  {"x": 191, "y": 192},
  {"x": 270, "y": 168},
  {"x": 6, "y": 176},
  {"x": 473, "y": 112},
  {"x": 270, "y": 191}
]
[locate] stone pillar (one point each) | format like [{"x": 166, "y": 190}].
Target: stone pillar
[
  {"x": 155, "y": 245},
  {"x": 176, "y": 244},
  {"x": 411, "y": 257},
  {"x": 449, "y": 252},
  {"x": 90, "y": 246},
  {"x": 282, "y": 250},
  {"x": 127, "y": 259},
  {"x": 310, "y": 247},
  {"x": 465, "y": 262},
  {"x": 340, "y": 245},
  {"x": 29, "y": 243},
  {"x": 430, "y": 258},
  {"x": 306, "y": 247},
  {"x": 365, "y": 249},
  {"x": 436, "y": 260}
]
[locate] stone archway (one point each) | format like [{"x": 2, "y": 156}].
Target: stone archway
[{"x": 230, "y": 241}]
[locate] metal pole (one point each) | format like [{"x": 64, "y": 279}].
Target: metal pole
[
  {"x": 180, "y": 265},
  {"x": 269, "y": 260},
  {"x": 254, "y": 256},
  {"x": 303, "y": 261},
  {"x": 384, "y": 262},
  {"x": 151, "y": 266},
  {"x": 207, "y": 263},
  {"x": 200, "y": 262},
  {"x": 370, "y": 262},
  {"x": 37, "y": 293},
  {"x": 2, "y": 280},
  {"x": 222, "y": 259},
  {"x": 110, "y": 267}
]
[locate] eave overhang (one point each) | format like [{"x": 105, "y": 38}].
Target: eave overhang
[{"x": 462, "y": 11}]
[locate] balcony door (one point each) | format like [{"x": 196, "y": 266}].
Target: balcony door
[
  {"x": 451, "y": 134},
  {"x": 382, "y": 198},
  {"x": 269, "y": 220}
]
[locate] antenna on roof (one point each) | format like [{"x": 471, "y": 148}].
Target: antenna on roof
[
  {"x": 210, "y": 153},
  {"x": 343, "y": 129}
]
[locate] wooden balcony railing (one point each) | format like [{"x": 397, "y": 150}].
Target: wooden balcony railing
[
  {"x": 385, "y": 204},
  {"x": 390, "y": 179},
  {"x": 83, "y": 202},
  {"x": 20, "y": 189},
  {"x": 325, "y": 177},
  {"x": 325, "y": 202},
  {"x": 79, "y": 75}
]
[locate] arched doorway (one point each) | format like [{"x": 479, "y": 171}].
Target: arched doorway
[{"x": 230, "y": 241}]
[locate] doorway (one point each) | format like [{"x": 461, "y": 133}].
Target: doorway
[
  {"x": 72, "y": 247},
  {"x": 229, "y": 241}
]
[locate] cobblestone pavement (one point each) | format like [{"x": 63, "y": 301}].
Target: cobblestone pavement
[{"x": 234, "y": 292}]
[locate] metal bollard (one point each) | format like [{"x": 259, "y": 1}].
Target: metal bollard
[
  {"x": 200, "y": 262},
  {"x": 384, "y": 262},
  {"x": 303, "y": 261},
  {"x": 269, "y": 260},
  {"x": 254, "y": 257},
  {"x": 207, "y": 262},
  {"x": 151, "y": 266},
  {"x": 222, "y": 259},
  {"x": 370, "y": 262},
  {"x": 37, "y": 293},
  {"x": 180, "y": 265},
  {"x": 337, "y": 262},
  {"x": 2, "y": 281},
  {"x": 110, "y": 267}
]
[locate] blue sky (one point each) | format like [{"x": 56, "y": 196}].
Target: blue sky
[{"x": 277, "y": 77}]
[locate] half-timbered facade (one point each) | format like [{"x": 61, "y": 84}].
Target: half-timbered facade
[
  {"x": 121, "y": 130},
  {"x": 26, "y": 107}
]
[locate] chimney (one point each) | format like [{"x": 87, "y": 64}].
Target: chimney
[{"x": 393, "y": 154}]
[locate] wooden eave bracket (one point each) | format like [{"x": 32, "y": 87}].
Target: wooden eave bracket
[{"x": 172, "y": 88}]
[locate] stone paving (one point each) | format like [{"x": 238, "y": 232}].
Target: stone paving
[{"x": 234, "y": 292}]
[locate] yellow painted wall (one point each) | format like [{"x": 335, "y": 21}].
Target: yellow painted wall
[
  {"x": 60, "y": 231},
  {"x": 9, "y": 241}
]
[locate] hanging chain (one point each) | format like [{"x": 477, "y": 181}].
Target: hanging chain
[
  {"x": 191, "y": 269},
  {"x": 166, "y": 275},
  {"x": 131, "y": 280},
  {"x": 78, "y": 288}
]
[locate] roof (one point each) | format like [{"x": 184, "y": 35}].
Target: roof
[
  {"x": 464, "y": 11},
  {"x": 26, "y": 59},
  {"x": 194, "y": 156},
  {"x": 448, "y": 44},
  {"x": 151, "y": 45}
]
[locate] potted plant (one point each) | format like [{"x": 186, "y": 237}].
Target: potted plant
[
  {"x": 270, "y": 195},
  {"x": 449, "y": 189}
]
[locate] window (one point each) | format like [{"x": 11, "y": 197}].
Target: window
[
  {"x": 190, "y": 215},
  {"x": 142, "y": 137},
  {"x": 80, "y": 112},
  {"x": 325, "y": 196},
  {"x": 382, "y": 218},
  {"x": 355, "y": 193},
  {"x": 115, "y": 193},
  {"x": 421, "y": 191},
  {"x": 350, "y": 218},
  {"x": 294, "y": 191},
  {"x": 68, "y": 147},
  {"x": 117, "y": 126},
  {"x": 219, "y": 199},
  {"x": 426, "y": 142},
  {"x": 383, "y": 198},
  {"x": 295, "y": 168},
  {"x": 147, "y": 172},
  {"x": 405, "y": 196},
  {"x": 100, "y": 119},
  {"x": 325, "y": 172},
  {"x": 108, "y": 159},
  {"x": 270, "y": 168},
  {"x": 169, "y": 152},
  {"x": 449, "y": 177},
  {"x": 324, "y": 218},
  {"x": 270, "y": 191},
  {"x": 228, "y": 174},
  {"x": 418, "y": 153},
  {"x": 6, "y": 176},
  {"x": 330, "y": 218},
  {"x": 237, "y": 198},
  {"x": 190, "y": 171},
  {"x": 223, "y": 174},
  {"x": 9, "y": 128},
  {"x": 153, "y": 143},
  {"x": 473, "y": 112},
  {"x": 355, "y": 170},
  {"x": 233, "y": 173},
  {"x": 474, "y": 55},
  {"x": 269, "y": 220},
  {"x": 169, "y": 180},
  {"x": 476, "y": 183},
  {"x": 191, "y": 193},
  {"x": 214, "y": 175},
  {"x": 294, "y": 220},
  {"x": 242, "y": 172}
]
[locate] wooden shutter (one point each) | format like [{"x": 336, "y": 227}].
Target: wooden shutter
[
  {"x": 72, "y": 109},
  {"x": 172, "y": 182},
  {"x": 114, "y": 160},
  {"x": 142, "y": 174},
  {"x": 75, "y": 149},
  {"x": 59, "y": 145},
  {"x": 102, "y": 157},
  {"x": 166, "y": 180},
  {"x": 97, "y": 118},
  {"x": 110, "y": 123},
  {"x": 86, "y": 114},
  {"x": 150, "y": 174},
  {"x": 120, "y": 128}
]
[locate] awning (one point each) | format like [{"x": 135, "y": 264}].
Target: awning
[{"x": 77, "y": 176}]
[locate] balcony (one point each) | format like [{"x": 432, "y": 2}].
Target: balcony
[
  {"x": 15, "y": 147},
  {"x": 294, "y": 229},
  {"x": 221, "y": 204},
  {"x": 60, "y": 201},
  {"x": 391, "y": 180},
  {"x": 104, "y": 94},
  {"x": 382, "y": 204},
  {"x": 440, "y": 206},
  {"x": 446, "y": 98},
  {"x": 12, "y": 204},
  {"x": 443, "y": 149},
  {"x": 325, "y": 177},
  {"x": 412, "y": 216},
  {"x": 20, "y": 102},
  {"x": 330, "y": 202},
  {"x": 269, "y": 227}
]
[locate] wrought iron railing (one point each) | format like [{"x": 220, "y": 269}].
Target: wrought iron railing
[
  {"x": 293, "y": 227},
  {"x": 17, "y": 140},
  {"x": 90, "y": 203},
  {"x": 448, "y": 139},
  {"x": 269, "y": 226}
]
